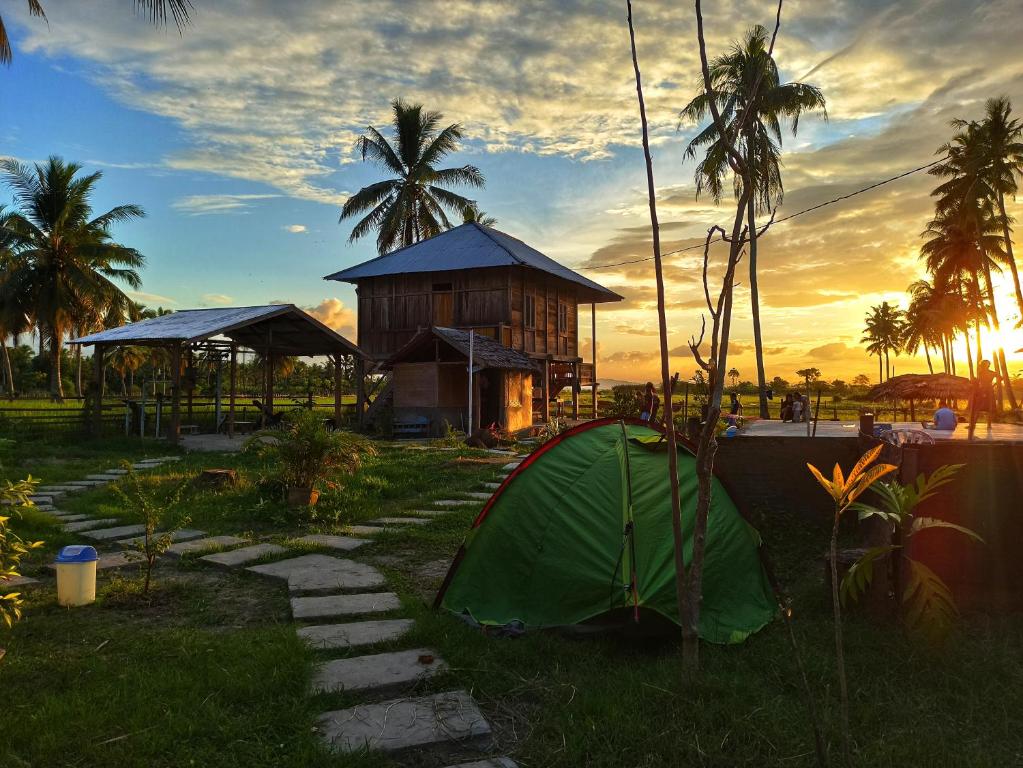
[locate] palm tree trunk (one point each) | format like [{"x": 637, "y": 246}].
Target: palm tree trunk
[
  {"x": 758, "y": 343},
  {"x": 1008, "y": 252},
  {"x": 969, "y": 355},
  {"x": 78, "y": 371},
  {"x": 1004, "y": 387},
  {"x": 980, "y": 353},
  {"x": 952, "y": 353},
  {"x": 56, "y": 382},
  {"x": 927, "y": 354},
  {"x": 8, "y": 371},
  {"x": 880, "y": 369},
  {"x": 887, "y": 366}
]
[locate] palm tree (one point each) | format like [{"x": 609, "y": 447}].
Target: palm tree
[
  {"x": 883, "y": 335},
  {"x": 410, "y": 206},
  {"x": 968, "y": 200},
  {"x": 733, "y": 374},
  {"x": 13, "y": 316},
  {"x": 66, "y": 262},
  {"x": 749, "y": 68},
  {"x": 481, "y": 217},
  {"x": 155, "y": 9}
]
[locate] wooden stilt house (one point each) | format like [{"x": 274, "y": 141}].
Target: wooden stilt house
[{"x": 477, "y": 278}]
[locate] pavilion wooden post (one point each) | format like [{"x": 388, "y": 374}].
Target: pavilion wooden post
[
  {"x": 593, "y": 354},
  {"x": 337, "y": 391},
  {"x": 98, "y": 362},
  {"x": 360, "y": 391},
  {"x": 270, "y": 360},
  {"x": 575, "y": 391},
  {"x": 174, "y": 431},
  {"x": 233, "y": 386},
  {"x": 545, "y": 407}
]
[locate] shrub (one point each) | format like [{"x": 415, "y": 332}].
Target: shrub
[
  {"x": 305, "y": 453},
  {"x": 624, "y": 401},
  {"x": 13, "y": 548}
]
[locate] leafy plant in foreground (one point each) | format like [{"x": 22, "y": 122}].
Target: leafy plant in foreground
[
  {"x": 13, "y": 548},
  {"x": 844, "y": 491},
  {"x": 153, "y": 510},
  {"x": 929, "y": 605}
]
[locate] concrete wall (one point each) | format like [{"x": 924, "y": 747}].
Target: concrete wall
[{"x": 765, "y": 473}]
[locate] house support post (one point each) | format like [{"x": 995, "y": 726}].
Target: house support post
[
  {"x": 337, "y": 391},
  {"x": 98, "y": 362},
  {"x": 593, "y": 354},
  {"x": 233, "y": 387},
  {"x": 545, "y": 408},
  {"x": 174, "y": 431},
  {"x": 575, "y": 391},
  {"x": 360, "y": 391}
]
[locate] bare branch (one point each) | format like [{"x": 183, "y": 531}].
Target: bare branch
[{"x": 735, "y": 159}]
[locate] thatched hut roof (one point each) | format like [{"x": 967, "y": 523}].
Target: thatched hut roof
[{"x": 921, "y": 386}]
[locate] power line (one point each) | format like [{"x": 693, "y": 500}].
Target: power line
[{"x": 791, "y": 216}]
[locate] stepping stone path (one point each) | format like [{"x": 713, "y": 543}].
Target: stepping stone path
[
  {"x": 346, "y": 543},
  {"x": 237, "y": 557},
  {"x": 17, "y": 581},
  {"x": 322, "y": 573},
  {"x": 406, "y": 724},
  {"x": 400, "y": 521},
  {"x": 457, "y": 502},
  {"x": 378, "y": 672},
  {"x": 183, "y": 534},
  {"x": 479, "y": 495},
  {"x": 336, "y": 606},
  {"x": 365, "y": 530},
  {"x": 492, "y": 486},
  {"x": 85, "y": 525},
  {"x": 354, "y": 634},
  {"x": 118, "y": 532},
  {"x": 200, "y": 545}
]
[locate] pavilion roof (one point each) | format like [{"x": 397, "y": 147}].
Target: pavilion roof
[{"x": 283, "y": 329}]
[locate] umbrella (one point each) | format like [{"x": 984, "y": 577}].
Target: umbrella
[{"x": 922, "y": 386}]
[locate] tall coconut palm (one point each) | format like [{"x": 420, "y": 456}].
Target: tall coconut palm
[
  {"x": 157, "y": 10},
  {"x": 410, "y": 206},
  {"x": 883, "y": 335},
  {"x": 922, "y": 329},
  {"x": 67, "y": 263},
  {"x": 13, "y": 312},
  {"x": 748, "y": 68},
  {"x": 968, "y": 198}
]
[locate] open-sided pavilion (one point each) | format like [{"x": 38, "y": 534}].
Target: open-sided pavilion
[{"x": 273, "y": 331}]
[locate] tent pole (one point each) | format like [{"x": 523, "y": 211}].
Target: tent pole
[
  {"x": 593, "y": 355},
  {"x": 469, "y": 431},
  {"x": 174, "y": 433},
  {"x": 232, "y": 386},
  {"x": 98, "y": 362},
  {"x": 337, "y": 391}
]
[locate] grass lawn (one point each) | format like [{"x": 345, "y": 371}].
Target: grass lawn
[{"x": 207, "y": 671}]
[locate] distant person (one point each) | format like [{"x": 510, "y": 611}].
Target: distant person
[
  {"x": 786, "y": 408},
  {"x": 945, "y": 419},
  {"x": 983, "y": 397},
  {"x": 651, "y": 403},
  {"x": 797, "y": 407},
  {"x": 736, "y": 407}
]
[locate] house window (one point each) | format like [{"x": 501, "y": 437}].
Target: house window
[
  {"x": 529, "y": 311},
  {"x": 562, "y": 318}
]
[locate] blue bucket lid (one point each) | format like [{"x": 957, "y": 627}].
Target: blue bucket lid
[{"x": 77, "y": 553}]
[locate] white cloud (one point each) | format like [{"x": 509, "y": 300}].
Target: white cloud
[
  {"x": 149, "y": 298},
  {"x": 204, "y": 205},
  {"x": 215, "y": 298},
  {"x": 296, "y": 229}
]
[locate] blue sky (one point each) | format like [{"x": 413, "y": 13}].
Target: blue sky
[{"x": 240, "y": 131}]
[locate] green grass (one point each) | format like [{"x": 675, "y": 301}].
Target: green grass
[{"x": 209, "y": 673}]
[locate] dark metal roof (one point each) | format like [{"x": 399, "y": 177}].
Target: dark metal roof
[
  {"x": 486, "y": 352},
  {"x": 283, "y": 328},
  {"x": 469, "y": 246}
]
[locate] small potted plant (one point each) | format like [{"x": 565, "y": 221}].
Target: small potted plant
[{"x": 306, "y": 453}]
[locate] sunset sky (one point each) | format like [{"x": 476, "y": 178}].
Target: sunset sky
[{"x": 237, "y": 137}]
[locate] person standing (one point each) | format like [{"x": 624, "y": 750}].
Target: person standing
[
  {"x": 982, "y": 398},
  {"x": 651, "y": 403}
]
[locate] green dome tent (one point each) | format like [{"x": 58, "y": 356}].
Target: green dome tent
[{"x": 557, "y": 544}]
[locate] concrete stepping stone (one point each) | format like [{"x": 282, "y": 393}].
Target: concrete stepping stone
[
  {"x": 492, "y": 486},
  {"x": 199, "y": 545},
  {"x": 343, "y": 543},
  {"x": 405, "y": 724},
  {"x": 184, "y": 534},
  {"x": 332, "y": 606},
  {"x": 39, "y": 499},
  {"x": 57, "y": 489},
  {"x": 115, "y": 472},
  {"x": 354, "y": 634},
  {"x": 458, "y": 502},
  {"x": 432, "y": 512},
  {"x": 511, "y": 466},
  {"x": 364, "y": 530},
  {"x": 400, "y": 521},
  {"x": 478, "y": 495},
  {"x": 111, "y": 534},
  {"x": 44, "y": 507},
  {"x": 318, "y": 573},
  {"x": 379, "y": 671},
  {"x": 493, "y": 762},
  {"x": 103, "y": 477},
  {"x": 16, "y": 581},
  {"x": 237, "y": 557},
  {"x": 85, "y": 525},
  {"x": 69, "y": 518},
  {"x": 81, "y": 484}
]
